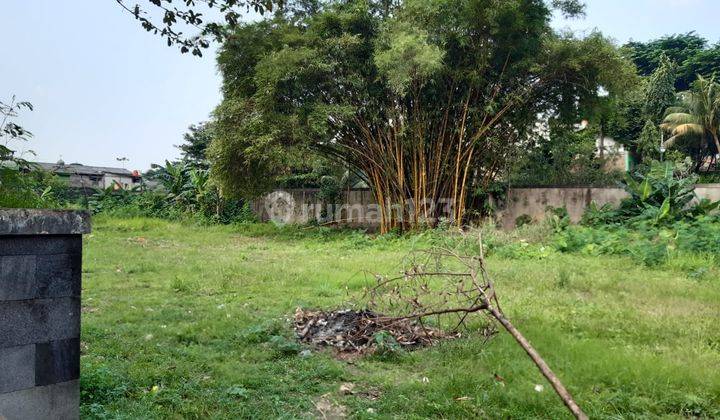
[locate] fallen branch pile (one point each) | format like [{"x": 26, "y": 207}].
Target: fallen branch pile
[
  {"x": 355, "y": 331},
  {"x": 439, "y": 294}
]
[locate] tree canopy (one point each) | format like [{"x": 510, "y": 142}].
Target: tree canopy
[
  {"x": 691, "y": 52},
  {"x": 195, "y": 143},
  {"x": 426, "y": 99},
  {"x": 660, "y": 90}
]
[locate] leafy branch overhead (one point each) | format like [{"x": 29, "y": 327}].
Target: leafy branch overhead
[{"x": 163, "y": 17}]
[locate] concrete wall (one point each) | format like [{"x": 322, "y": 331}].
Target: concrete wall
[
  {"x": 709, "y": 191},
  {"x": 358, "y": 207},
  {"x": 301, "y": 206},
  {"x": 534, "y": 202},
  {"x": 40, "y": 270}
]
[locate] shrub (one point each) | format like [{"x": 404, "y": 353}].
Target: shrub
[
  {"x": 645, "y": 241},
  {"x": 137, "y": 203},
  {"x": 660, "y": 193},
  {"x": 522, "y": 220}
]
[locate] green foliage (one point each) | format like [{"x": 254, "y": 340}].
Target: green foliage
[
  {"x": 386, "y": 346},
  {"x": 565, "y": 157},
  {"x": 597, "y": 216},
  {"x": 247, "y": 161},
  {"x": 196, "y": 142},
  {"x": 648, "y": 144},
  {"x": 646, "y": 242},
  {"x": 100, "y": 384},
  {"x": 694, "y": 126},
  {"x": 32, "y": 188},
  {"x": 522, "y": 220},
  {"x": 313, "y": 172},
  {"x": 660, "y": 193},
  {"x": 406, "y": 56},
  {"x": 689, "y": 51},
  {"x": 558, "y": 218},
  {"x": 186, "y": 15},
  {"x": 660, "y": 91},
  {"x": 131, "y": 203},
  {"x": 658, "y": 223},
  {"x": 23, "y": 184},
  {"x": 284, "y": 346},
  {"x": 350, "y": 74},
  {"x": 186, "y": 193}
]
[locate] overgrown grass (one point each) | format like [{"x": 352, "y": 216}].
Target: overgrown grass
[{"x": 183, "y": 321}]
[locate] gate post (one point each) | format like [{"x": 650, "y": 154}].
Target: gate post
[{"x": 40, "y": 270}]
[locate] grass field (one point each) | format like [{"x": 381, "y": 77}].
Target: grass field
[{"x": 182, "y": 322}]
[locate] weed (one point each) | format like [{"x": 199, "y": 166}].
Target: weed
[
  {"x": 386, "y": 347},
  {"x": 563, "y": 279},
  {"x": 630, "y": 340},
  {"x": 284, "y": 346}
]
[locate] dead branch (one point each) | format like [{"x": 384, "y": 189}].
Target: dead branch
[{"x": 445, "y": 291}]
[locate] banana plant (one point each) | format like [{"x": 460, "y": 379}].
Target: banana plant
[
  {"x": 174, "y": 179},
  {"x": 665, "y": 192}
]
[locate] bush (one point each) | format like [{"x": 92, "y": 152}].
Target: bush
[
  {"x": 661, "y": 222},
  {"x": 200, "y": 208},
  {"x": 522, "y": 220},
  {"x": 644, "y": 241},
  {"x": 30, "y": 189},
  {"x": 660, "y": 193}
]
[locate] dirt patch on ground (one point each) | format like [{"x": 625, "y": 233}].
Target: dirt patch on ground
[
  {"x": 325, "y": 408},
  {"x": 360, "y": 332}
]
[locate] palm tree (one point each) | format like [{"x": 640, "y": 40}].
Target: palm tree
[{"x": 697, "y": 120}]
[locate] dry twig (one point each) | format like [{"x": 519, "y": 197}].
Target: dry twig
[{"x": 429, "y": 289}]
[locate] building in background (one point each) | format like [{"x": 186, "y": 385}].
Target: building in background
[
  {"x": 616, "y": 155},
  {"x": 80, "y": 176}
]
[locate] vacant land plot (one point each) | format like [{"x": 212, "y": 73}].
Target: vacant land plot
[{"x": 183, "y": 321}]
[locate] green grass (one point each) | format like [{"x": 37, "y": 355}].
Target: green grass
[{"x": 183, "y": 321}]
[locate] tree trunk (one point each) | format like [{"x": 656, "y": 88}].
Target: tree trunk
[{"x": 717, "y": 142}]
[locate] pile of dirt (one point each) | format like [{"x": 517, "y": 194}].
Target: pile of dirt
[{"x": 355, "y": 331}]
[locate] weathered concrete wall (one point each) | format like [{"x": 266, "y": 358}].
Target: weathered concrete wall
[
  {"x": 300, "y": 206},
  {"x": 40, "y": 270},
  {"x": 358, "y": 207},
  {"x": 534, "y": 202},
  {"x": 709, "y": 191}
]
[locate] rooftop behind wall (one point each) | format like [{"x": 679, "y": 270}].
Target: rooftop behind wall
[{"x": 40, "y": 269}]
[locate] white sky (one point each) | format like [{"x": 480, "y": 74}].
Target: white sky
[{"x": 103, "y": 88}]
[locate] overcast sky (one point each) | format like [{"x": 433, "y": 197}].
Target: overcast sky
[{"x": 104, "y": 89}]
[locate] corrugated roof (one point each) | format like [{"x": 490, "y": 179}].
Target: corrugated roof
[{"x": 76, "y": 168}]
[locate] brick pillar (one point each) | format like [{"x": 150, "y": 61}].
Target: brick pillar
[{"x": 40, "y": 269}]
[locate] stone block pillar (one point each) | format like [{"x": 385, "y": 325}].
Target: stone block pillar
[{"x": 40, "y": 270}]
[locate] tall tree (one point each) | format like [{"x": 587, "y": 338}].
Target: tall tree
[
  {"x": 426, "y": 100},
  {"x": 625, "y": 118},
  {"x": 648, "y": 144},
  {"x": 660, "y": 91},
  {"x": 196, "y": 142},
  {"x": 696, "y": 123}
]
